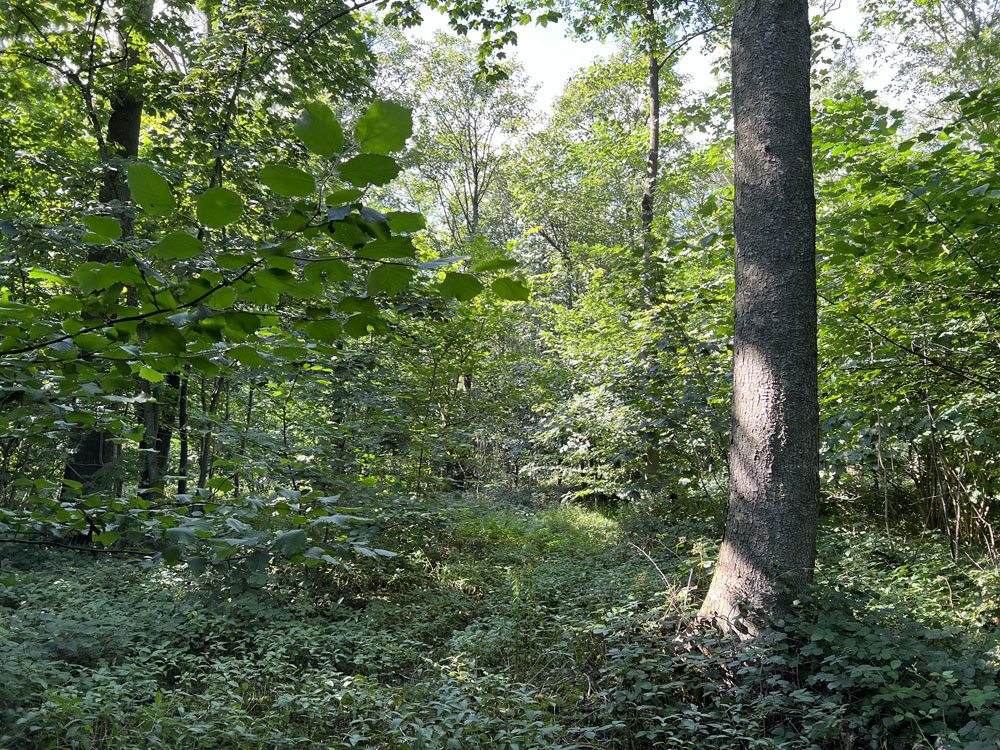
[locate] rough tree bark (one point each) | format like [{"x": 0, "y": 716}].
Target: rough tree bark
[{"x": 769, "y": 545}]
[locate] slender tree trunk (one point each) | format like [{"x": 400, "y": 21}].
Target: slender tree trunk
[
  {"x": 205, "y": 459},
  {"x": 646, "y": 206},
  {"x": 769, "y": 546},
  {"x": 651, "y": 462},
  {"x": 243, "y": 439},
  {"x": 182, "y": 427}
]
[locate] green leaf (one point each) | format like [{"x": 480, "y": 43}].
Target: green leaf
[
  {"x": 369, "y": 169},
  {"x": 396, "y": 247},
  {"x": 497, "y": 264},
  {"x": 384, "y": 128},
  {"x": 326, "y": 331},
  {"x": 357, "y": 305},
  {"x": 294, "y": 221},
  {"x": 333, "y": 269},
  {"x": 389, "y": 278},
  {"x": 288, "y": 181},
  {"x": 291, "y": 543},
  {"x": 105, "y": 227},
  {"x": 107, "y": 538},
  {"x": 275, "y": 278},
  {"x": 511, "y": 289},
  {"x": 150, "y": 190},
  {"x": 148, "y": 373},
  {"x": 65, "y": 303},
  {"x": 166, "y": 339},
  {"x": 177, "y": 246},
  {"x": 405, "y": 221},
  {"x": 247, "y": 356},
  {"x": 218, "y": 207},
  {"x": 449, "y": 260},
  {"x": 91, "y": 342},
  {"x": 358, "y": 325},
  {"x": 41, "y": 273},
  {"x": 319, "y": 130},
  {"x": 221, "y": 299},
  {"x": 239, "y": 325},
  {"x": 460, "y": 286}
]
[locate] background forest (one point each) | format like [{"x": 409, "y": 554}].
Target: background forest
[{"x": 351, "y": 401}]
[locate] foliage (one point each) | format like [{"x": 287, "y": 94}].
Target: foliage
[{"x": 539, "y": 627}]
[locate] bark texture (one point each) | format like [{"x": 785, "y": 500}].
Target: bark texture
[{"x": 769, "y": 546}]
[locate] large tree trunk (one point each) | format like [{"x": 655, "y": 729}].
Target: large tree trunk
[{"x": 769, "y": 546}]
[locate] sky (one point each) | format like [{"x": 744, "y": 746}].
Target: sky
[{"x": 549, "y": 56}]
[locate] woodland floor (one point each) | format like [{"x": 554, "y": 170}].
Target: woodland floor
[{"x": 506, "y": 625}]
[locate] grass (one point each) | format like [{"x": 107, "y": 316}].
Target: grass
[{"x": 500, "y": 627}]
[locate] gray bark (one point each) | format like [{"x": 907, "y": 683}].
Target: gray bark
[{"x": 769, "y": 546}]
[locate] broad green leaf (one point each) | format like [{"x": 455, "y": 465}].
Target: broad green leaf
[
  {"x": 150, "y": 190},
  {"x": 148, "y": 373},
  {"x": 497, "y": 264},
  {"x": 333, "y": 269},
  {"x": 344, "y": 195},
  {"x": 511, "y": 289},
  {"x": 294, "y": 221},
  {"x": 91, "y": 342},
  {"x": 405, "y": 221},
  {"x": 357, "y": 305},
  {"x": 288, "y": 181},
  {"x": 222, "y": 298},
  {"x": 41, "y": 273},
  {"x": 384, "y": 128},
  {"x": 239, "y": 325},
  {"x": 247, "y": 356},
  {"x": 275, "y": 278},
  {"x": 389, "y": 278},
  {"x": 218, "y": 207},
  {"x": 105, "y": 227},
  {"x": 107, "y": 538},
  {"x": 291, "y": 543},
  {"x": 326, "y": 331},
  {"x": 166, "y": 339},
  {"x": 396, "y": 247},
  {"x": 347, "y": 233},
  {"x": 319, "y": 130},
  {"x": 369, "y": 169},
  {"x": 65, "y": 303},
  {"x": 450, "y": 260},
  {"x": 177, "y": 246},
  {"x": 460, "y": 286},
  {"x": 358, "y": 325}
]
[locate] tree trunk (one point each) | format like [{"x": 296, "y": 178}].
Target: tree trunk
[
  {"x": 651, "y": 464},
  {"x": 158, "y": 417},
  {"x": 646, "y": 205},
  {"x": 205, "y": 459},
  {"x": 769, "y": 545},
  {"x": 243, "y": 458},
  {"x": 183, "y": 460},
  {"x": 124, "y": 125}
]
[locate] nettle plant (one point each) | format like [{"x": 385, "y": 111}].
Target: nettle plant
[{"x": 205, "y": 295}]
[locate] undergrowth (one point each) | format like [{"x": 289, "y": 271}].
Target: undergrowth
[{"x": 500, "y": 626}]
